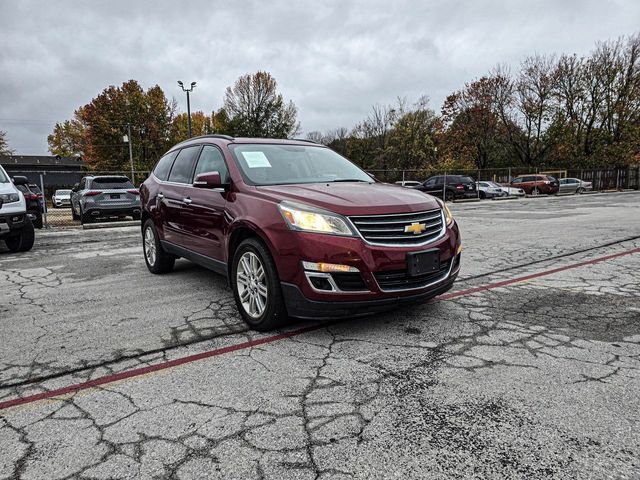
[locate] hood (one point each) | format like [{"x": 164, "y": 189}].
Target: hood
[
  {"x": 7, "y": 187},
  {"x": 353, "y": 198}
]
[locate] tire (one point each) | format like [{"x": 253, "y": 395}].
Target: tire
[
  {"x": 23, "y": 242},
  {"x": 535, "y": 191},
  {"x": 37, "y": 223},
  {"x": 137, "y": 216},
  {"x": 448, "y": 196},
  {"x": 252, "y": 259},
  {"x": 85, "y": 218},
  {"x": 160, "y": 261},
  {"x": 580, "y": 191},
  {"x": 74, "y": 215},
  {"x": 482, "y": 195}
]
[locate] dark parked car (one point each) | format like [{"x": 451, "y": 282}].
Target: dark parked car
[
  {"x": 35, "y": 202},
  {"x": 536, "y": 184},
  {"x": 458, "y": 186},
  {"x": 298, "y": 229},
  {"x": 104, "y": 196}
]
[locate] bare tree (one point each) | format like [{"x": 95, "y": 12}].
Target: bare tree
[{"x": 256, "y": 109}]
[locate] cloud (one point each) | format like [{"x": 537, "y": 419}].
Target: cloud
[{"x": 333, "y": 59}]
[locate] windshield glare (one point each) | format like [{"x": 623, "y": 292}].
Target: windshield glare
[
  {"x": 3, "y": 177},
  {"x": 268, "y": 164}
]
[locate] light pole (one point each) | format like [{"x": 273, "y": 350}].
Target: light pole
[
  {"x": 188, "y": 90},
  {"x": 127, "y": 139}
]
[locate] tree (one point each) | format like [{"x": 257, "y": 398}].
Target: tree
[
  {"x": 4, "y": 145},
  {"x": 67, "y": 139},
  {"x": 201, "y": 124},
  {"x": 97, "y": 129},
  {"x": 255, "y": 108},
  {"x": 474, "y": 133}
]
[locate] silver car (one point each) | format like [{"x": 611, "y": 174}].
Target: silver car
[
  {"x": 61, "y": 198},
  {"x": 105, "y": 196},
  {"x": 574, "y": 185},
  {"x": 409, "y": 183},
  {"x": 507, "y": 191},
  {"x": 490, "y": 190}
]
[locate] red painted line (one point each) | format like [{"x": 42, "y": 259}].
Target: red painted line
[{"x": 136, "y": 372}]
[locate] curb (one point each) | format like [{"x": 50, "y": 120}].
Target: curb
[
  {"x": 508, "y": 197},
  {"x": 467, "y": 200},
  {"x": 94, "y": 226}
]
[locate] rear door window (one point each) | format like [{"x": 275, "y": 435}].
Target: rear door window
[
  {"x": 164, "y": 165},
  {"x": 211, "y": 160},
  {"x": 182, "y": 169}
]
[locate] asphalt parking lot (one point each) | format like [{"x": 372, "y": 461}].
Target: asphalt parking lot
[{"x": 528, "y": 368}]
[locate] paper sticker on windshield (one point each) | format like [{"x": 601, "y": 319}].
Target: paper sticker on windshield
[{"x": 256, "y": 159}]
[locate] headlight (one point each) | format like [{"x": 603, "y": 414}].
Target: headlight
[
  {"x": 10, "y": 198},
  {"x": 447, "y": 213},
  {"x": 310, "y": 219}
]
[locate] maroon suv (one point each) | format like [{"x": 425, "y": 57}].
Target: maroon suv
[{"x": 297, "y": 229}]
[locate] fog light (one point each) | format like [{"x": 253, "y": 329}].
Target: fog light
[{"x": 328, "y": 267}]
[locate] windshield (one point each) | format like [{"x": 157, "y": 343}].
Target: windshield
[
  {"x": 3, "y": 177},
  {"x": 269, "y": 164}
]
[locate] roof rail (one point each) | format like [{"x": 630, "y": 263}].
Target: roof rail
[
  {"x": 304, "y": 140},
  {"x": 209, "y": 135}
]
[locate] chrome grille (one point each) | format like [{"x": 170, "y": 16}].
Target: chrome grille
[{"x": 390, "y": 229}]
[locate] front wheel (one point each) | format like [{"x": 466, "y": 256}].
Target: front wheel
[
  {"x": 23, "y": 241},
  {"x": 256, "y": 286}
]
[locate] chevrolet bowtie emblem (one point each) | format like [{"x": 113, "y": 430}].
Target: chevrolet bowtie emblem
[{"x": 415, "y": 228}]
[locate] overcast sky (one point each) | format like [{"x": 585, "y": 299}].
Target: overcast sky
[{"x": 334, "y": 59}]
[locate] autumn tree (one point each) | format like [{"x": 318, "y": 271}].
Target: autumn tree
[
  {"x": 97, "y": 129},
  {"x": 256, "y": 109},
  {"x": 4, "y": 145},
  {"x": 201, "y": 124}
]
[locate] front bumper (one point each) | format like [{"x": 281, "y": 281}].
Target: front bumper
[
  {"x": 11, "y": 222},
  {"x": 384, "y": 279},
  {"x": 301, "y": 307}
]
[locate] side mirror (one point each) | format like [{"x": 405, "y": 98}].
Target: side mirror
[
  {"x": 76, "y": 187},
  {"x": 20, "y": 180},
  {"x": 209, "y": 180}
]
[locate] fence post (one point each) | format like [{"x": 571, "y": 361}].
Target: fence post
[
  {"x": 444, "y": 188},
  {"x": 44, "y": 202},
  {"x": 617, "y": 179}
]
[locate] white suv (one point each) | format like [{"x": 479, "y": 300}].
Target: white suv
[{"x": 16, "y": 228}]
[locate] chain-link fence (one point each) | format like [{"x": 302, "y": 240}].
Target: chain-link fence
[
  {"x": 602, "y": 179},
  {"x": 43, "y": 185},
  {"x": 48, "y": 195}
]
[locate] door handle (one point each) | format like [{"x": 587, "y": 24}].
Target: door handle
[
  {"x": 160, "y": 196},
  {"x": 186, "y": 201}
]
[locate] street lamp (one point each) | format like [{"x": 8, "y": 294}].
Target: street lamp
[{"x": 187, "y": 90}]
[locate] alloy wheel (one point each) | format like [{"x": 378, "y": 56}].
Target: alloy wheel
[
  {"x": 150, "y": 246},
  {"x": 251, "y": 284}
]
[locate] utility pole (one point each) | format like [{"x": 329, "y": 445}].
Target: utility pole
[{"x": 187, "y": 90}]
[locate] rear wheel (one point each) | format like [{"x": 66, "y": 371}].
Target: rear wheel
[
  {"x": 23, "y": 241},
  {"x": 448, "y": 196},
  {"x": 74, "y": 215},
  {"x": 535, "y": 191},
  {"x": 256, "y": 286},
  {"x": 136, "y": 216},
  {"x": 85, "y": 217},
  {"x": 580, "y": 191},
  {"x": 483, "y": 195},
  {"x": 157, "y": 260}
]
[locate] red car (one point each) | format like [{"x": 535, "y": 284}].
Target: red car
[{"x": 297, "y": 229}]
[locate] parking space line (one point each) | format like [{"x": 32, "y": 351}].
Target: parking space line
[{"x": 136, "y": 372}]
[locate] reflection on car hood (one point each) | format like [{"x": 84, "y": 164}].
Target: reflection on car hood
[{"x": 353, "y": 198}]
